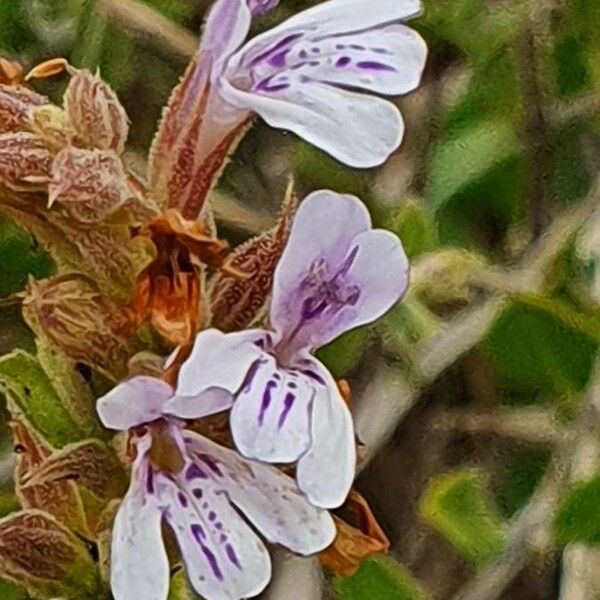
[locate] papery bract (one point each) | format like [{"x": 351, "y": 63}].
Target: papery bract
[
  {"x": 25, "y": 161},
  {"x": 238, "y": 302},
  {"x": 15, "y": 103},
  {"x": 197, "y": 488},
  {"x": 335, "y": 274}
]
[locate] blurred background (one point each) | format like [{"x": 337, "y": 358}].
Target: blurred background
[{"x": 476, "y": 397}]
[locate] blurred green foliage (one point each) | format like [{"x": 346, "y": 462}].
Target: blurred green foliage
[
  {"x": 578, "y": 518},
  {"x": 459, "y": 507},
  {"x": 379, "y": 578}
]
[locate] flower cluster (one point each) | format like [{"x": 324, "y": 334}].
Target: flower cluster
[{"x": 245, "y": 331}]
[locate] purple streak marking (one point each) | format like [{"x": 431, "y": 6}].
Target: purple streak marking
[
  {"x": 371, "y": 65},
  {"x": 266, "y": 401},
  {"x": 313, "y": 375},
  {"x": 182, "y": 500},
  {"x": 232, "y": 556},
  {"x": 286, "y": 41},
  {"x": 264, "y": 86},
  {"x": 251, "y": 374},
  {"x": 150, "y": 481},
  {"x": 288, "y": 402},
  {"x": 210, "y": 462},
  {"x": 211, "y": 559}
]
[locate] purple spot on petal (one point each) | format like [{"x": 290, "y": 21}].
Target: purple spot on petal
[
  {"x": 195, "y": 472},
  {"x": 182, "y": 500},
  {"x": 340, "y": 46},
  {"x": 371, "y": 65},
  {"x": 315, "y": 50},
  {"x": 278, "y": 60},
  {"x": 222, "y": 538},
  {"x": 357, "y": 47},
  {"x": 197, "y": 493},
  {"x": 266, "y": 401},
  {"x": 288, "y": 402},
  {"x": 302, "y": 54},
  {"x": 232, "y": 556},
  {"x": 343, "y": 61},
  {"x": 212, "y": 515},
  {"x": 292, "y": 385}
]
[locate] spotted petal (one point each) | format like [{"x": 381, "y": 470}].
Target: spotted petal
[
  {"x": 297, "y": 75},
  {"x": 224, "y": 558},
  {"x": 269, "y": 498},
  {"x": 335, "y": 272},
  {"x": 133, "y": 402},
  {"x": 139, "y": 563}
]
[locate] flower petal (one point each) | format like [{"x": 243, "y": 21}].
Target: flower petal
[
  {"x": 325, "y": 473},
  {"x": 133, "y": 402},
  {"x": 296, "y": 76},
  {"x": 269, "y": 498},
  {"x": 335, "y": 273},
  {"x": 320, "y": 113},
  {"x": 380, "y": 269},
  {"x": 139, "y": 563},
  {"x": 270, "y": 419},
  {"x": 226, "y": 27},
  {"x": 337, "y": 16},
  {"x": 224, "y": 559},
  {"x": 215, "y": 370}
]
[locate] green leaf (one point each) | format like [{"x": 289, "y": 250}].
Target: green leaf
[
  {"x": 458, "y": 507},
  {"x": 544, "y": 345},
  {"x": 31, "y": 396},
  {"x": 379, "y": 578},
  {"x": 462, "y": 159},
  {"x": 71, "y": 387},
  {"x": 415, "y": 227},
  {"x": 343, "y": 354},
  {"x": 578, "y": 518},
  {"x": 20, "y": 258}
]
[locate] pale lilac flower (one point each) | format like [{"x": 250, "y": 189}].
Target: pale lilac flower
[
  {"x": 314, "y": 74},
  {"x": 199, "y": 489},
  {"x": 336, "y": 273}
]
